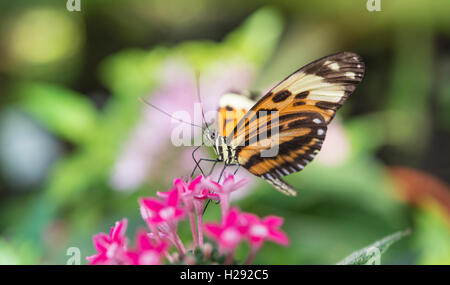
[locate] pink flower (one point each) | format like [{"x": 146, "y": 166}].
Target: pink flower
[
  {"x": 259, "y": 231},
  {"x": 193, "y": 195},
  {"x": 229, "y": 185},
  {"x": 209, "y": 189},
  {"x": 162, "y": 217},
  {"x": 228, "y": 234},
  {"x": 163, "y": 211},
  {"x": 200, "y": 188},
  {"x": 110, "y": 248},
  {"x": 146, "y": 251}
]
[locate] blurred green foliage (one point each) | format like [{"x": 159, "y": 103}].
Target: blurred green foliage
[{"x": 77, "y": 76}]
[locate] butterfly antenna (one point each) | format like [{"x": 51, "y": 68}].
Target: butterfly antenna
[
  {"x": 197, "y": 84},
  {"x": 164, "y": 112}
]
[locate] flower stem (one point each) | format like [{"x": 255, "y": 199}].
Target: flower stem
[
  {"x": 154, "y": 230},
  {"x": 168, "y": 256},
  {"x": 194, "y": 232},
  {"x": 229, "y": 257},
  {"x": 179, "y": 245},
  {"x": 225, "y": 204},
  {"x": 200, "y": 229},
  {"x": 199, "y": 212},
  {"x": 252, "y": 255}
]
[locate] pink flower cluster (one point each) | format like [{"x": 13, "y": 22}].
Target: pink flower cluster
[{"x": 187, "y": 200}]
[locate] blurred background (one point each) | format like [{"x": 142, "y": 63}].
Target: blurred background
[{"x": 77, "y": 148}]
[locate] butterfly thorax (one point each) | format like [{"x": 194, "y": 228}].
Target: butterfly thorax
[{"x": 225, "y": 152}]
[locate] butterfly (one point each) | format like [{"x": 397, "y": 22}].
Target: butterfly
[{"x": 291, "y": 118}]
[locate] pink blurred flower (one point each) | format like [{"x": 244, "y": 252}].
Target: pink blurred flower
[
  {"x": 194, "y": 194},
  {"x": 146, "y": 251},
  {"x": 110, "y": 248},
  {"x": 229, "y": 233},
  {"x": 162, "y": 217},
  {"x": 259, "y": 230},
  {"x": 164, "y": 211},
  {"x": 224, "y": 191}
]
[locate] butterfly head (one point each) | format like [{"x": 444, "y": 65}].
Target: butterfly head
[
  {"x": 216, "y": 141},
  {"x": 211, "y": 136}
]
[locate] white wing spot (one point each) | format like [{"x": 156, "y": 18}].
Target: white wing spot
[
  {"x": 333, "y": 66},
  {"x": 320, "y": 132},
  {"x": 317, "y": 121},
  {"x": 278, "y": 172},
  {"x": 350, "y": 74}
]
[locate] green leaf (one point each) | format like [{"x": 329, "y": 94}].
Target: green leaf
[
  {"x": 64, "y": 112},
  {"x": 371, "y": 254},
  {"x": 263, "y": 30}
]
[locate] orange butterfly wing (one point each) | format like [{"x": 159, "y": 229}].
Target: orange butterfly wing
[{"x": 285, "y": 129}]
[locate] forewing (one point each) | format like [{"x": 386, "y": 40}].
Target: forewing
[{"x": 293, "y": 116}]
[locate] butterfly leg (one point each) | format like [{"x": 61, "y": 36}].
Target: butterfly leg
[
  {"x": 218, "y": 181},
  {"x": 201, "y": 170},
  {"x": 197, "y": 165},
  {"x": 237, "y": 169}
]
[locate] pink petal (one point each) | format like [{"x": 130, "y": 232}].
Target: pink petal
[
  {"x": 119, "y": 230},
  {"x": 97, "y": 259},
  {"x": 133, "y": 257},
  {"x": 157, "y": 219},
  {"x": 227, "y": 184},
  {"x": 214, "y": 230},
  {"x": 256, "y": 241},
  {"x": 250, "y": 218},
  {"x": 143, "y": 242},
  {"x": 179, "y": 213},
  {"x": 231, "y": 218},
  {"x": 162, "y": 195},
  {"x": 195, "y": 182},
  {"x": 152, "y": 204},
  {"x": 180, "y": 185},
  {"x": 211, "y": 185},
  {"x": 172, "y": 199},
  {"x": 273, "y": 221},
  {"x": 278, "y": 237},
  {"x": 213, "y": 196},
  {"x": 145, "y": 213},
  {"x": 101, "y": 241},
  {"x": 161, "y": 247},
  {"x": 240, "y": 184}
]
